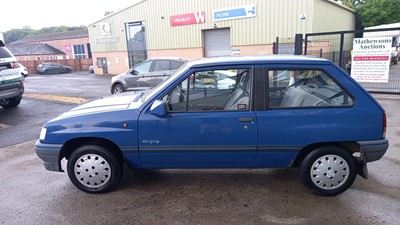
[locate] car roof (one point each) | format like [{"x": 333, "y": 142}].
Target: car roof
[
  {"x": 168, "y": 58},
  {"x": 235, "y": 60}
]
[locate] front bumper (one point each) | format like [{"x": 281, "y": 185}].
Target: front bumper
[
  {"x": 374, "y": 150},
  {"x": 50, "y": 155}
]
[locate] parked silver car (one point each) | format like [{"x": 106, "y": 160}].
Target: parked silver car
[{"x": 146, "y": 74}]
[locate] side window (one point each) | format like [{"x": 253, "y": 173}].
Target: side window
[
  {"x": 212, "y": 90},
  {"x": 176, "y": 65},
  {"x": 143, "y": 67},
  {"x": 161, "y": 65},
  {"x": 305, "y": 89}
]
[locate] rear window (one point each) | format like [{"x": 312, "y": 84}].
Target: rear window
[
  {"x": 305, "y": 88},
  {"x": 5, "y": 53},
  {"x": 161, "y": 65},
  {"x": 176, "y": 65}
]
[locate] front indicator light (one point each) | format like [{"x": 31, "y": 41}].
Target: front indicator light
[{"x": 43, "y": 134}]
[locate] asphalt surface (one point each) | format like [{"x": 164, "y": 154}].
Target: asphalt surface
[{"x": 32, "y": 195}]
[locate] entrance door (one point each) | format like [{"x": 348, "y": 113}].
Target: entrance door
[
  {"x": 217, "y": 42},
  {"x": 102, "y": 63}
]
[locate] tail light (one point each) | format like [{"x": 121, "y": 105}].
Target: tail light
[
  {"x": 15, "y": 65},
  {"x": 384, "y": 125}
]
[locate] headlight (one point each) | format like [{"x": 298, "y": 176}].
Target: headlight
[{"x": 43, "y": 134}]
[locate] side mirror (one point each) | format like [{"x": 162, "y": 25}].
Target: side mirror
[
  {"x": 158, "y": 108},
  {"x": 134, "y": 72}
]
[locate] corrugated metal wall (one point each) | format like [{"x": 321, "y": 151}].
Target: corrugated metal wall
[
  {"x": 330, "y": 16},
  {"x": 274, "y": 18}
]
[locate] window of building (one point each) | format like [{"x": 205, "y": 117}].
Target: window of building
[
  {"x": 79, "y": 51},
  {"x": 212, "y": 90},
  {"x": 305, "y": 89},
  {"x": 27, "y": 58},
  {"x": 47, "y": 57},
  {"x": 136, "y": 39},
  {"x": 37, "y": 58}
]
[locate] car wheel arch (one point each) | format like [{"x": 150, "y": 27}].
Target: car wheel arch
[
  {"x": 351, "y": 147},
  {"x": 74, "y": 144}
]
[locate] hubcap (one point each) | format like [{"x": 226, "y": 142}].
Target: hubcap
[
  {"x": 117, "y": 89},
  {"x": 92, "y": 171},
  {"x": 329, "y": 172}
]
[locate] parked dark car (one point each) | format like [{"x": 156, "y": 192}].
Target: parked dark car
[
  {"x": 146, "y": 74},
  {"x": 46, "y": 68},
  {"x": 280, "y": 112}
]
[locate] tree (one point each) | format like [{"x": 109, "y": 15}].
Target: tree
[
  {"x": 108, "y": 13},
  {"x": 18, "y": 34},
  {"x": 377, "y": 12},
  {"x": 374, "y": 12}
]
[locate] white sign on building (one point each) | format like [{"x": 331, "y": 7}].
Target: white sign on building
[{"x": 371, "y": 59}]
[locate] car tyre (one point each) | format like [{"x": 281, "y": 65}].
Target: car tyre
[
  {"x": 117, "y": 88},
  {"x": 11, "y": 102},
  {"x": 94, "y": 169},
  {"x": 327, "y": 171}
]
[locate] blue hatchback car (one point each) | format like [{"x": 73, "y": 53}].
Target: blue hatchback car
[{"x": 273, "y": 112}]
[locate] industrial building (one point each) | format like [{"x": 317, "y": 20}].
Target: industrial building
[{"x": 195, "y": 29}]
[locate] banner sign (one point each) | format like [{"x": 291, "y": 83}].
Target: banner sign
[
  {"x": 371, "y": 59},
  {"x": 187, "y": 19},
  {"x": 235, "y": 13}
]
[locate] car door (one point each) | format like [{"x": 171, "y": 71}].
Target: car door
[
  {"x": 195, "y": 135},
  {"x": 139, "y": 76},
  {"x": 161, "y": 70}
]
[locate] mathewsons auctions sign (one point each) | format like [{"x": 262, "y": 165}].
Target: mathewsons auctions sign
[{"x": 371, "y": 59}]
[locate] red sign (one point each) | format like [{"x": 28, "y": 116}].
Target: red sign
[
  {"x": 371, "y": 58},
  {"x": 189, "y": 18}
]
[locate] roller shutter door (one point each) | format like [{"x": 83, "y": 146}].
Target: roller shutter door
[{"x": 217, "y": 42}]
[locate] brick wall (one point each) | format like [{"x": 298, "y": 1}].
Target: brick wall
[{"x": 117, "y": 62}]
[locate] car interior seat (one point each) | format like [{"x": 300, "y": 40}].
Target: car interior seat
[{"x": 240, "y": 97}]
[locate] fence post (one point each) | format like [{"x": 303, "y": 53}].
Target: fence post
[
  {"x": 305, "y": 44},
  {"x": 341, "y": 49},
  {"x": 298, "y": 44},
  {"x": 276, "y": 46}
]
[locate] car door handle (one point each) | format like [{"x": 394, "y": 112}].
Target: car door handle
[{"x": 245, "y": 119}]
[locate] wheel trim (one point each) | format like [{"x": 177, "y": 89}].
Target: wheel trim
[
  {"x": 117, "y": 89},
  {"x": 92, "y": 171},
  {"x": 329, "y": 172}
]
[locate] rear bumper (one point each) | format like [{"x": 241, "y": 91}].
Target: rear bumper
[
  {"x": 374, "y": 150},
  {"x": 11, "y": 90},
  {"x": 49, "y": 154}
]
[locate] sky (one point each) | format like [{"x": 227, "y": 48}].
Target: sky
[{"x": 16, "y": 14}]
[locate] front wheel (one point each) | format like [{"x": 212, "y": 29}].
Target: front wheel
[
  {"x": 118, "y": 88},
  {"x": 94, "y": 169},
  {"x": 328, "y": 171}
]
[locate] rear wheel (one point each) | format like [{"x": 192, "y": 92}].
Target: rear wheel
[
  {"x": 94, "y": 169},
  {"x": 328, "y": 171},
  {"x": 11, "y": 102}
]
